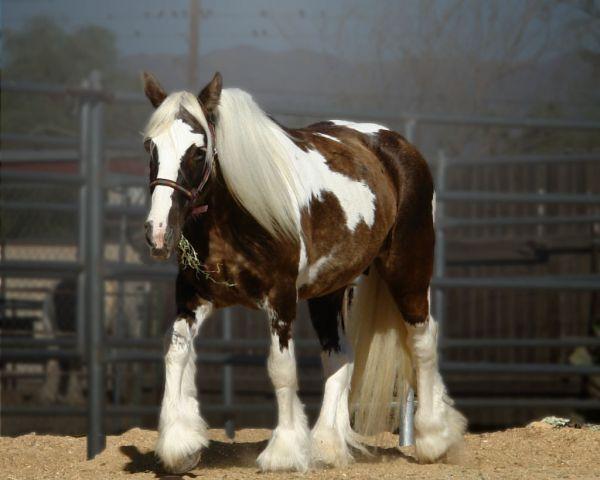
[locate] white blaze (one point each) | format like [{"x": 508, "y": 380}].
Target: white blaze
[{"x": 171, "y": 145}]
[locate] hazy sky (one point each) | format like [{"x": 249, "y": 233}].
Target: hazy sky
[
  {"x": 340, "y": 27},
  {"x": 160, "y": 26},
  {"x": 434, "y": 35}
]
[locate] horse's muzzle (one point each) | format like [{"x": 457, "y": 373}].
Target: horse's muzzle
[{"x": 160, "y": 240}]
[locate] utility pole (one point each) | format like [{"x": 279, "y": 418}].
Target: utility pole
[{"x": 194, "y": 44}]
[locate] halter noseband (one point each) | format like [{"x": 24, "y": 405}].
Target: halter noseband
[{"x": 193, "y": 194}]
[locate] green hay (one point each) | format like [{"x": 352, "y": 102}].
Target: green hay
[{"x": 188, "y": 258}]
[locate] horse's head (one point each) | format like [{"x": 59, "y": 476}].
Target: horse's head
[{"x": 180, "y": 140}]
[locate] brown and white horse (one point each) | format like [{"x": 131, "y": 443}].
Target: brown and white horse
[{"x": 266, "y": 216}]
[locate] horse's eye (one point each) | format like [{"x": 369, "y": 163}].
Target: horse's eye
[{"x": 200, "y": 153}]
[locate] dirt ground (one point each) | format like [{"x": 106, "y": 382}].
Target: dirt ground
[{"x": 538, "y": 451}]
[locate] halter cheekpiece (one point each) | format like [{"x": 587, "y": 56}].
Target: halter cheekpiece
[{"x": 193, "y": 194}]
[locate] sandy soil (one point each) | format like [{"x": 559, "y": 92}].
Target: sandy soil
[{"x": 538, "y": 451}]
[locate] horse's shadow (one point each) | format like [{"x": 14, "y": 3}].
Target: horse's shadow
[
  {"x": 381, "y": 454},
  {"x": 216, "y": 455},
  {"x": 235, "y": 454}
]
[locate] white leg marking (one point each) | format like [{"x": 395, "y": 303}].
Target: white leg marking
[
  {"x": 332, "y": 434},
  {"x": 438, "y": 425},
  {"x": 182, "y": 431},
  {"x": 288, "y": 448}
]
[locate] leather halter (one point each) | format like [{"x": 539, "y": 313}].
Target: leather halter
[{"x": 193, "y": 194}]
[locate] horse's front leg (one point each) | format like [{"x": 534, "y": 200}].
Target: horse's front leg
[
  {"x": 181, "y": 429},
  {"x": 289, "y": 446}
]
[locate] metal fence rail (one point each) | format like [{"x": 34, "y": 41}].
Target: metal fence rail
[
  {"x": 442, "y": 281},
  {"x": 90, "y": 147}
]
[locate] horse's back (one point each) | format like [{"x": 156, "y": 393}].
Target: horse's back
[{"x": 341, "y": 240}]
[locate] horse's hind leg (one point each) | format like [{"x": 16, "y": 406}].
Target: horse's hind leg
[
  {"x": 438, "y": 424},
  {"x": 407, "y": 272},
  {"x": 332, "y": 434}
]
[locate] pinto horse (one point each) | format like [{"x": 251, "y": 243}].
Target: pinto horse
[{"x": 265, "y": 216}]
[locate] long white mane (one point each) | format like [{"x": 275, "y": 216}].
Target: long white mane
[
  {"x": 254, "y": 153},
  {"x": 256, "y": 159}
]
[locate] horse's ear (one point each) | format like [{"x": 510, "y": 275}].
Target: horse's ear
[
  {"x": 155, "y": 93},
  {"x": 210, "y": 95}
]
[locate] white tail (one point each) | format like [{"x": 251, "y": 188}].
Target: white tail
[{"x": 382, "y": 363}]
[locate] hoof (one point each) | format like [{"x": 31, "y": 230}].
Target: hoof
[
  {"x": 179, "y": 446},
  {"x": 329, "y": 448},
  {"x": 288, "y": 450},
  {"x": 183, "y": 464},
  {"x": 435, "y": 438}
]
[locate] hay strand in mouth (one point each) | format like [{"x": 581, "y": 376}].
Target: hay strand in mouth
[{"x": 188, "y": 258}]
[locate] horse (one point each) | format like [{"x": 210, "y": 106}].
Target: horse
[
  {"x": 62, "y": 375},
  {"x": 62, "y": 382},
  {"x": 266, "y": 216}
]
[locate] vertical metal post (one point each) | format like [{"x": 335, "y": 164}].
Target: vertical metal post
[
  {"x": 407, "y": 419},
  {"x": 121, "y": 324},
  {"x": 84, "y": 153},
  {"x": 439, "y": 269},
  {"x": 228, "y": 376},
  {"x": 94, "y": 259},
  {"x": 194, "y": 16},
  {"x": 410, "y": 130}
]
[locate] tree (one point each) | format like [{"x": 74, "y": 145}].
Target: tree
[{"x": 42, "y": 52}]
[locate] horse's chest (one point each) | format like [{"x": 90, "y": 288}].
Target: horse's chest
[{"x": 245, "y": 277}]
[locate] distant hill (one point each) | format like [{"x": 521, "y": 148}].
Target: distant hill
[{"x": 306, "y": 80}]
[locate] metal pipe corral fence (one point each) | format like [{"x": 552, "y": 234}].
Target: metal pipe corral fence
[{"x": 91, "y": 269}]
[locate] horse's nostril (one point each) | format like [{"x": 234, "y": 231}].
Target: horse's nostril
[
  {"x": 148, "y": 230},
  {"x": 169, "y": 235}
]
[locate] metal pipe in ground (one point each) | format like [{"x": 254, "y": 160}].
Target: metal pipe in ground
[
  {"x": 94, "y": 258},
  {"x": 407, "y": 413}
]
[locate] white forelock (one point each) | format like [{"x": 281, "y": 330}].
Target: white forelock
[{"x": 164, "y": 116}]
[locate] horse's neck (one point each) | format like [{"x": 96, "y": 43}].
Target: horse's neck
[{"x": 225, "y": 221}]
